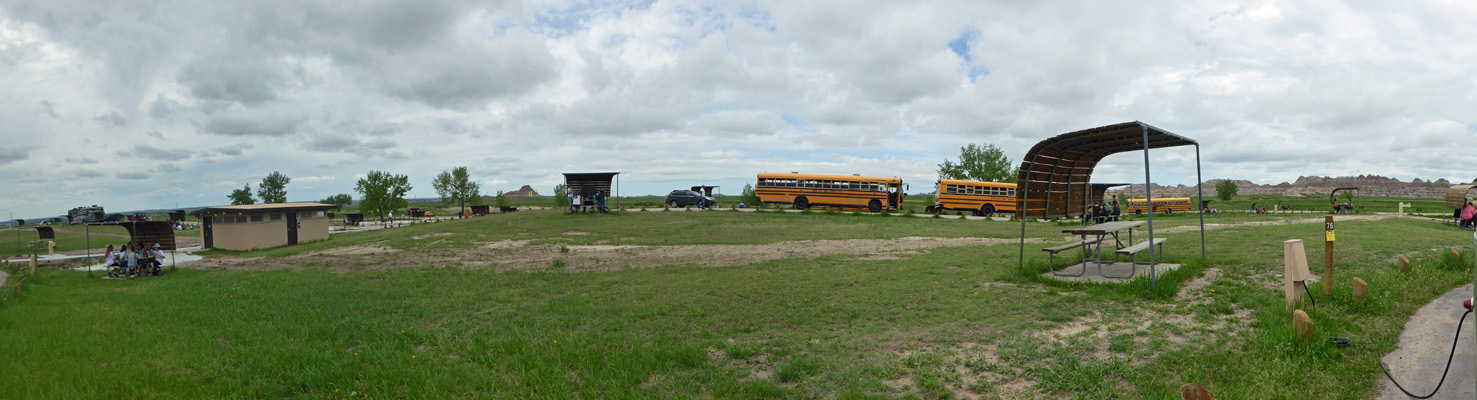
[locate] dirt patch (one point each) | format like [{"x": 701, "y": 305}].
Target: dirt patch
[
  {"x": 958, "y": 268},
  {"x": 507, "y": 244},
  {"x": 521, "y": 255},
  {"x": 431, "y": 235},
  {"x": 879, "y": 257},
  {"x": 349, "y": 250},
  {"x": 900, "y": 384},
  {"x": 1211, "y": 227},
  {"x": 1190, "y": 293},
  {"x": 576, "y": 233}
]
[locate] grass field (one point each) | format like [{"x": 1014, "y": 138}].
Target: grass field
[{"x": 944, "y": 322}]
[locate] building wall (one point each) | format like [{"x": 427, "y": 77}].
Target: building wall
[
  {"x": 266, "y": 233},
  {"x": 249, "y": 235},
  {"x": 314, "y": 229}
]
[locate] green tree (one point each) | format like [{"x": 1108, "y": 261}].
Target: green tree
[
  {"x": 749, "y": 196},
  {"x": 980, "y": 163},
  {"x": 1226, "y": 189},
  {"x": 561, "y": 198},
  {"x": 501, "y": 200},
  {"x": 339, "y": 201},
  {"x": 382, "y": 192},
  {"x": 242, "y": 196},
  {"x": 273, "y": 188},
  {"x": 455, "y": 186}
]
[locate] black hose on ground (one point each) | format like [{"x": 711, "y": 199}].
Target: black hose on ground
[{"x": 1443, "y": 373}]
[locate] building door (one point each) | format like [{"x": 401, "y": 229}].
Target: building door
[
  {"x": 205, "y": 231},
  {"x": 292, "y": 228}
]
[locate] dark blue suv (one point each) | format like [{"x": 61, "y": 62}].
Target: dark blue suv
[{"x": 683, "y": 198}]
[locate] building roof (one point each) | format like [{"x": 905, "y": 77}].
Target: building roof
[{"x": 263, "y": 208}]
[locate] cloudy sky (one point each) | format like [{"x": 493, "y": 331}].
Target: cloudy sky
[{"x": 148, "y": 104}]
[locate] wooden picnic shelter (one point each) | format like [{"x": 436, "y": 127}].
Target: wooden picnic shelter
[
  {"x": 1055, "y": 175},
  {"x": 1457, "y": 196}
]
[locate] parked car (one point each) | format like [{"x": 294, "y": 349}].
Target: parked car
[
  {"x": 138, "y": 217},
  {"x": 683, "y": 198}
]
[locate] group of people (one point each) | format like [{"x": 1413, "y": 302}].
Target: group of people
[
  {"x": 597, "y": 202},
  {"x": 1101, "y": 213},
  {"x": 1466, "y": 216},
  {"x": 133, "y": 259}
]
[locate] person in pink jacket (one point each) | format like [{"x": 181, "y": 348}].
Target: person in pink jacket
[{"x": 1467, "y": 213}]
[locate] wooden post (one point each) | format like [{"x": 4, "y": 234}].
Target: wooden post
[
  {"x": 1302, "y": 326},
  {"x": 33, "y": 263},
  {"x": 1361, "y": 289},
  {"x": 1404, "y": 264},
  {"x": 1328, "y": 256}
]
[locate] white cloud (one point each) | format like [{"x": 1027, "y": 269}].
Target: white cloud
[{"x": 207, "y": 96}]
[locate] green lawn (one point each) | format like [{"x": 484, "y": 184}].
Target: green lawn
[{"x": 948, "y": 322}]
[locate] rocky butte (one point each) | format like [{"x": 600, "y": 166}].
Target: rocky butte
[{"x": 1369, "y": 185}]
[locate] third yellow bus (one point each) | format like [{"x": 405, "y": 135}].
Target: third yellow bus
[
  {"x": 980, "y": 198},
  {"x": 1167, "y": 204}
]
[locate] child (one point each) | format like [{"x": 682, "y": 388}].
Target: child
[
  {"x": 110, "y": 261},
  {"x": 158, "y": 260}
]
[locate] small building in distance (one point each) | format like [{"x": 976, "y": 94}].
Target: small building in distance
[{"x": 258, "y": 226}]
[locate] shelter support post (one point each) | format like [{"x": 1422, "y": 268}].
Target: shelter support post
[
  {"x": 1200, "y": 197},
  {"x": 1149, "y": 202}
]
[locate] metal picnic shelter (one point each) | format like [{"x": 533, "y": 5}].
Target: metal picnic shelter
[
  {"x": 588, "y": 183},
  {"x": 1055, "y": 175}
]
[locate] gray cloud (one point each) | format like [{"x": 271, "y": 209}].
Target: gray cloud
[
  {"x": 234, "y": 150},
  {"x": 253, "y": 123},
  {"x": 12, "y": 154},
  {"x": 87, "y": 173},
  {"x": 133, "y": 175},
  {"x": 111, "y": 119},
  {"x": 155, "y": 153},
  {"x": 249, "y": 81}
]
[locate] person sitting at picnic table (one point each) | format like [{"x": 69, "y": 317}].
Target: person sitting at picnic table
[
  {"x": 158, "y": 260},
  {"x": 1116, "y": 211},
  {"x": 110, "y": 261},
  {"x": 600, "y": 201},
  {"x": 1467, "y": 214}
]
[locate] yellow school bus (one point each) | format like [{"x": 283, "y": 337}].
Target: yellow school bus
[
  {"x": 1167, "y": 204},
  {"x": 980, "y": 198},
  {"x": 842, "y": 191}
]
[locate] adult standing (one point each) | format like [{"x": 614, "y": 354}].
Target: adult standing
[{"x": 1116, "y": 211}]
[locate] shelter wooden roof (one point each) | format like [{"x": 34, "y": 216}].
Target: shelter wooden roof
[
  {"x": 587, "y": 183},
  {"x": 1055, "y": 174},
  {"x": 1456, "y": 197}
]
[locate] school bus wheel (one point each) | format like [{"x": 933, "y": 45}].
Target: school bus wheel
[
  {"x": 986, "y": 210},
  {"x": 874, "y": 206},
  {"x": 802, "y": 203}
]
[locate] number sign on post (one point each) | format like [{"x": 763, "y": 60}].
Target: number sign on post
[{"x": 1328, "y": 256}]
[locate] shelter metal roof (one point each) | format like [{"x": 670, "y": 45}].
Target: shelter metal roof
[
  {"x": 1055, "y": 174},
  {"x": 587, "y": 183}
]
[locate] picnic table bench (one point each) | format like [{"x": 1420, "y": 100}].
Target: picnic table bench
[
  {"x": 1051, "y": 254},
  {"x": 1099, "y": 234}
]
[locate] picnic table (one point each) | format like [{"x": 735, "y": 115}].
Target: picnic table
[{"x": 1093, "y": 246}]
